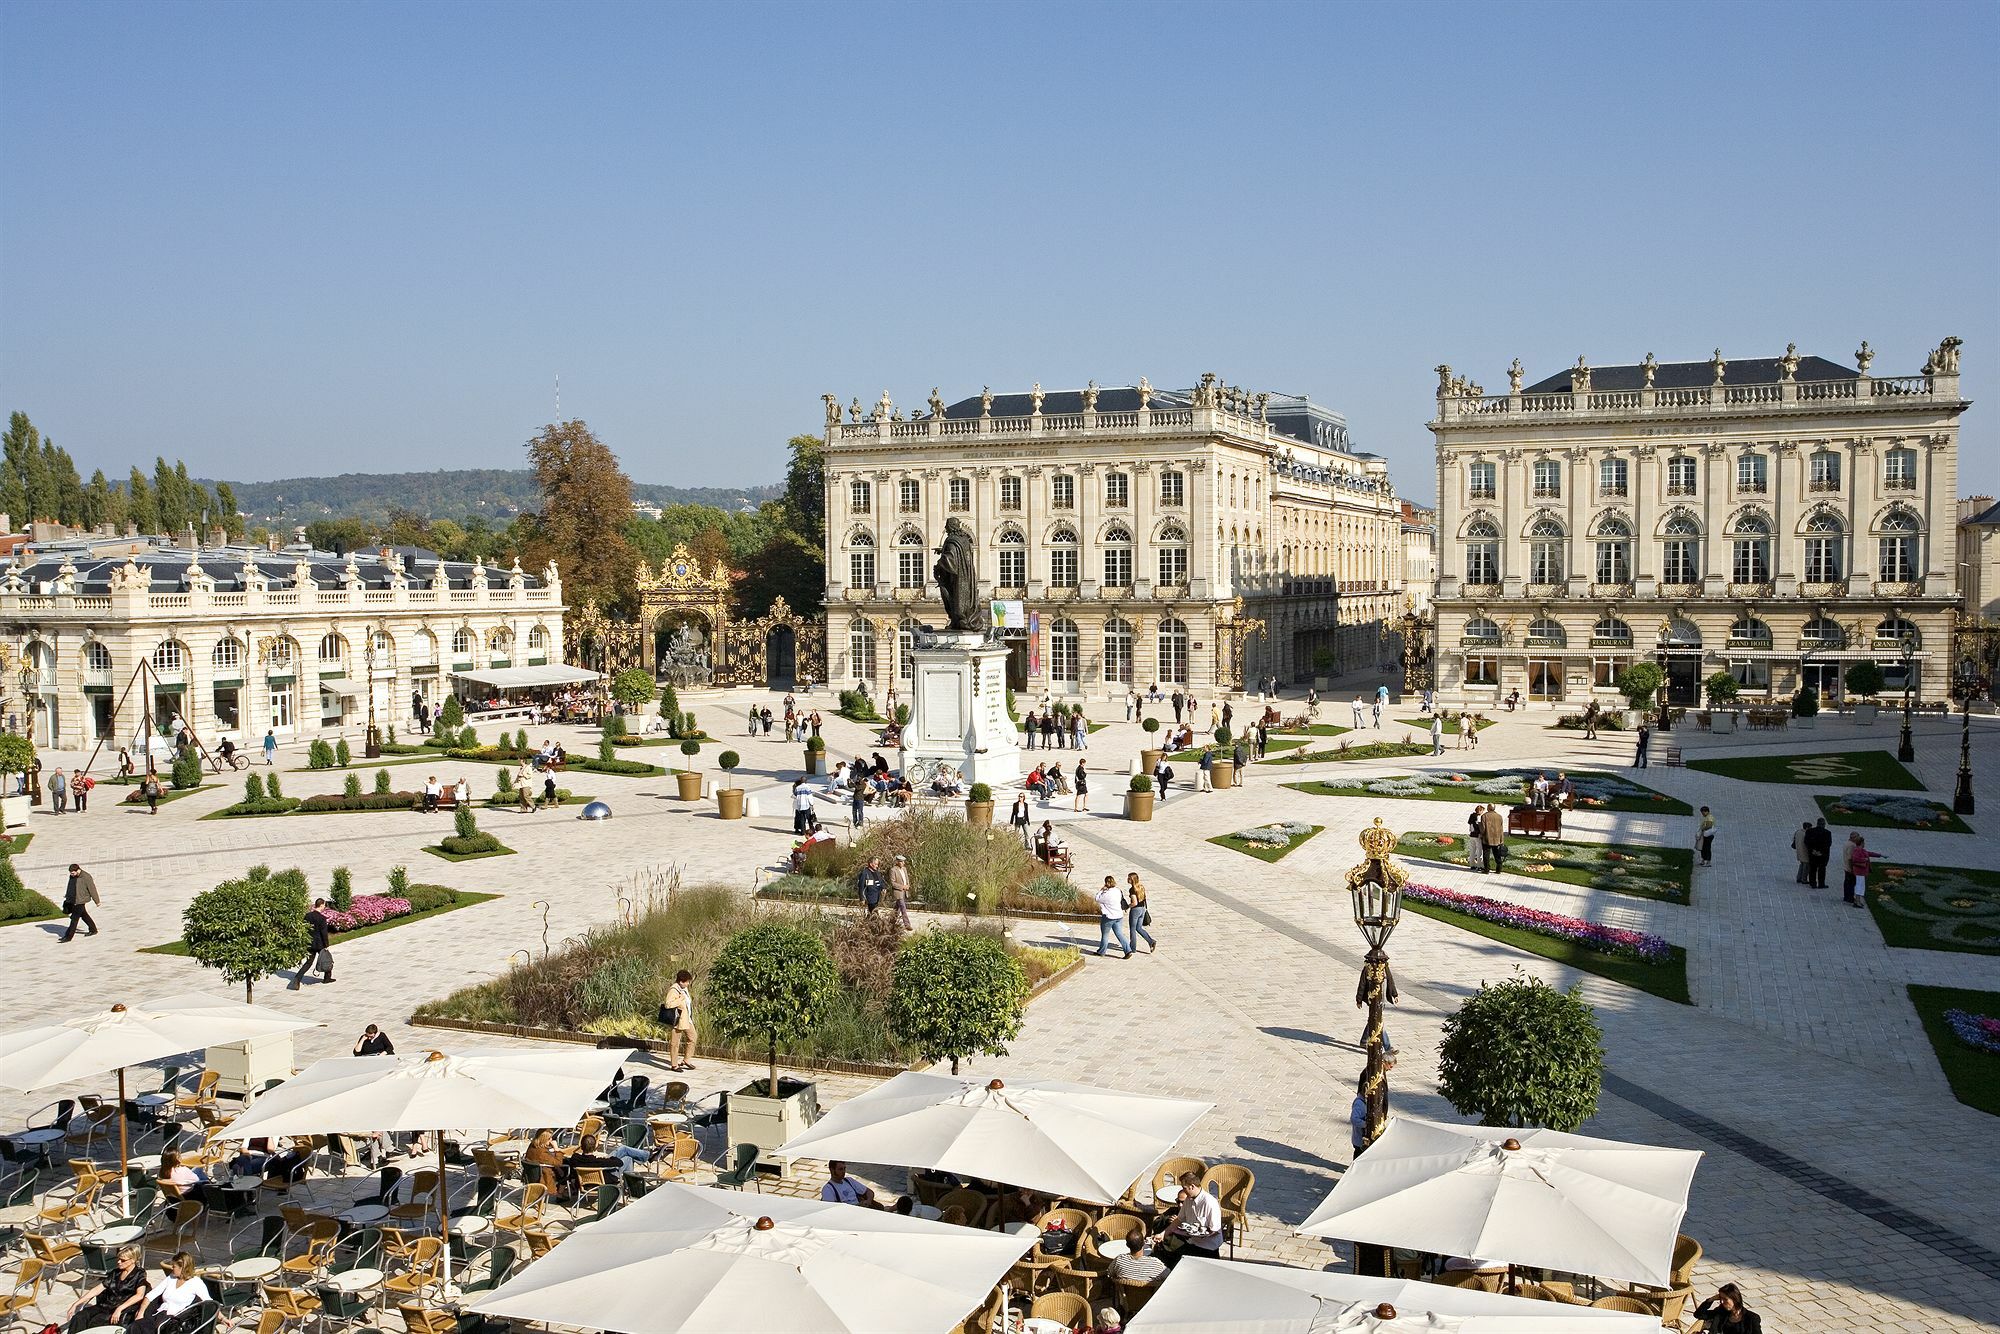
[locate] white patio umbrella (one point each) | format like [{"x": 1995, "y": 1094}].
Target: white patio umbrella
[
  {"x": 45, "y": 1055},
  {"x": 1059, "y": 1138},
  {"x": 1527, "y": 1197},
  {"x": 698, "y": 1260},
  {"x": 1235, "y": 1297},
  {"x": 432, "y": 1093}
]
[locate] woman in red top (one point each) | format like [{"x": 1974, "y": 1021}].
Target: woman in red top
[{"x": 1855, "y": 879}]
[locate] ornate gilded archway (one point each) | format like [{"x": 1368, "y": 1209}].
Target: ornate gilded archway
[{"x": 744, "y": 656}]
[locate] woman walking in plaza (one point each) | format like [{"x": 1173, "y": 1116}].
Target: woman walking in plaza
[
  {"x": 1704, "y": 839},
  {"x": 1475, "y": 850},
  {"x": 1137, "y": 915},
  {"x": 1082, "y": 782},
  {"x": 1019, "y": 817},
  {"x": 1111, "y": 917},
  {"x": 677, "y": 1013},
  {"x": 1854, "y": 877}
]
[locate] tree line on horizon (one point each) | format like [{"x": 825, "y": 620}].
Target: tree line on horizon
[{"x": 39, "y": 482}]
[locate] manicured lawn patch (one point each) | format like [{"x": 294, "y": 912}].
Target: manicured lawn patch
[
  {"x": 1974, "y": 1075},
  {"x": 1312, "y": 729},
  {"x": 1869, "y": 810},
  {"x": 26, "y": 906},
  {"x": 18, "y": 843},
  {"x": 1271, "y": 747},
  {"x": 1596, "y": 791},
  {"x": 1667, "y": 980},
  {"x": 1268, "y": 843},
  {"x": 132, "y": 802},
  {"x": 461, "y": 898},
  {"x": 1451, "y": 724},
  {"x": 622, "y": 768},
  {"x": 388, "y": 758},
  {"x": 1620, "y": 868},
  {"x": 1955, "y": 908},
  {"x": 1367, "y": 750},
  {"x": 436, "y": 851},
  {"x": 1847, "y": 768}
]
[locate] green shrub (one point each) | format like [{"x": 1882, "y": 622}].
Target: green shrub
[
  {"x": 1222, "y": 736},
  {"x": 670, "y": 709},
  {"x": 614, "y": 723},
  {"x": 319, "y": 755},
  {"x": 251, "y": 928},
  {"x": 1323, "y": 662},
  {"x": 1141, "y": 783},
  {"x": 793, "y": 885},
  {"x": 521, "y": 740},
  {"x": 956, "y": 994},
  {"x": 948, "y": 859},
  {"x": 856, "y": 707},
  {"x": 1049, "y": 888},
  {"x": 690, "y": 748},
  {"x": 902, "y": 715},
  {"x": 352, "y": 787},
  {"x": 459, "y": 846},
  {"x": 1641, "y": 682},
  {"x": 1151, "y": 725},
  {"x": 1866, "y": 679},
  {"x": 1805, "y": 704},
  {"x": 451, "y": 713},
  {"x": 343, "y": 754},
  {"x": 464, "y": 823},
  {"x": 253, "y": 788},
  {"x": 399, "y": 881},
  {"x": 632, "y": 687},
  {"x": 980, "y": 792},
  {"x": 424, "y": 898},
  {"x": 1721, "y": 689},
  {"x": 357, "y": 801},
  {"x": 17, "y": 754},
  {"x": 342, "y": 893},
  {"x": 16, "y": 899},
  {"x": 1521, "y": 1053},
  {"x": 771, "y": 983},
  {"x": 382, "y": 783},
  {"x": 267, "y": 806},
  {"x": 186, "y": 773},
  {"x": 503, "y": 781},
  {"x": 816, "y": 744},
  {"x": 271, "y": 785},
  {"x": 468, "y": 737},
  {"x": 607, "y": 752}
]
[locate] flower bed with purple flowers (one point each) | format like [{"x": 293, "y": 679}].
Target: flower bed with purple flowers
[
  {"x": 367, "y": 910},
  {"x": 1615, "y": 940},
  {"x": 1981, "y": 1032}
]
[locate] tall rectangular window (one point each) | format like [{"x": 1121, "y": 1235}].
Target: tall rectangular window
[
  {"x": 909, "y": 495},
  {"x": 1899, "y": 558},
  {"x": 1823, "y": 470},
  {"x": 1173, "y": 488},
  {"x": 1750, "y": 560},
  {"x": 1751, "y": 474},
  {"x": 1013, "y": 567},
  {"x": 1118, "y": 567},
  {"x": 861, "y": 569},
  {"x": 1117, "y": 490},
  {"x": 1010, "y": 493},
  {"x": 1680, "y": 476},
  {"x": 1614, "y": 562},
  {"x": 958, "y": 494},
  {"x": 1482, "y": 562},
  {"x": 910, "y": 568},
  {"x": 1548, "y": 479},
  {"x": 1480, "y": 481},
  {"x": 1899, "y": 469},
  {"x": 1612, "y": 477},
  {"x": 1062, "y": 567},
  {"x": 1680, "y": 566},
  {"x": 858, "y": 496},
  {"x": 1822, "y": 560},
  {"x": 1173, "y": 565},
  {"x": 1062, "y": 492}
]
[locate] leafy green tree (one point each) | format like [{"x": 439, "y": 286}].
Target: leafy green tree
[
  {"x": 1641, "y": 682},
  {"x": 1721, "y": 689},
  {"x": 253, "y": 788},
  {"x": 339, "y": 535},
  {"x": 20, "y": 441},
  {"x": 251, "y": 928},
  {"x": 141, "y": 507},
  {"x": 186, "y": 773},
  {"x": 804, "y": 501},
  {"x": 1520, "y": 1053},
  {"x": 771, "y": 983},
  {"x": 787, "y": 567},
  {"x": 1866, "y": 679},
  {"x": 382, "y": 782},
  {"x": 632, "y": 687},
  {"x": 955, "y": 994},
  {"x": 586, "y": 501},
  {"x": 451, "y": 713},
  {"x": 351, "y": 786},
  {"x": 17, "y": 754},
  {"x": 343, "y": 754}
]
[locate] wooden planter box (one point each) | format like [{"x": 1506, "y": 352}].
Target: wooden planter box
[{"x": 767, "y": 1122}]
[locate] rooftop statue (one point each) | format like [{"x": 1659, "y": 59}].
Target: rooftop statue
[
  {"x": 832, "y": 410},
  {"x": 1090, "y": 397},
  {"x": 937, "y": 403},
  {"x": 1514, "y": 373},
  {"x": 1788, "y": 365},
  {"x": 1719, "y": 364},
  {"x": 1145, "y": 394},
  {"x": 985, "y": 400},
  {"x": 1035, "y": 396},
  {"x": 854, "y": 410},
  {"x": 1863, "y": 356},
  {"x": 957, "y": 577},
  {"x": 1649, "y": 368}
]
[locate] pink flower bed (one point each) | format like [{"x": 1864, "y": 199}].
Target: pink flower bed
[
  {"x": 366, "y": 910},
  {"x": 1641, "y": 945}
]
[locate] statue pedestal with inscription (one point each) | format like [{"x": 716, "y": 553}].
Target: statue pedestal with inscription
[{"x": 958, "y": 711}]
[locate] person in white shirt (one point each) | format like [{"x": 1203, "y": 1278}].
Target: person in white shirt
[
  {"x": 462, "y": 794},
  {"x": 1437, "y": 735},
  {"x": 1198, "y": 1223},
  {"x": 176, "y": 1294},
  {"x": 837, "y": 780},
  {"x": 1111, "y": 907},
  {"x": 841, "y": 1188}
]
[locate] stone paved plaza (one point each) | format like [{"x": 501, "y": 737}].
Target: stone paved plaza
[{"x": 1843, "y": 1186}]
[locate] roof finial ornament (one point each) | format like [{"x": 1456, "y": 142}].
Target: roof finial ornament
[
  {"x": 1145, "y": 394},
  {"x": 1443, "y": 370},
  {"x": 986, "y": 400},
  {"x": 1035, "y": 398},
  {"x": 1514, "y": 374},
  {"x": 1719, "y": 364},
  {"x": 1788, "y": 365},
  {"x": 1649, "y": 368},
  {"x": 1863, "y": 356},
  {"x": 1579, "y": 376},
  {"x": 1090, "y": 397}
]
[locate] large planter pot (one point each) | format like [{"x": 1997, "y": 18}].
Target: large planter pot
[
  {"x": 690, "y": 786},
  {"x": 757, "y": 1118},
  {"x": 249, "y": 1065},
  {"x": 1807, "y": 723},
  {"x": 1149, "y": 760},
  {"x": 14, "y": 811},
  {"x": 729, "y": 803},
  {"x": 1867, "y": 712},
  {"x": 979, "y": 814},
  {"x": 1222, "y": 773},
  {"x": 1723, "y": 723},
  {"x": 1139, "y": 805},
  {"x": 816, "y": 763}
]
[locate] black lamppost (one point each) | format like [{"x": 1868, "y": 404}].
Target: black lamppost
[
  {"x": 1376, "y": 888},
  {"x": 1966, "y": 684},
  {"x": 372, "y": 748},
  {"x": 1906, "y": 749}
]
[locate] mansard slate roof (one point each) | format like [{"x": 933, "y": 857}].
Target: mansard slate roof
[
  {"x": 1694, "y": 375},
  {"x": 168, "y": 568}
]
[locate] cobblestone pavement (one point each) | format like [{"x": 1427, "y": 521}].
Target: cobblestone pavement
[{"x": 1843, "y": 1186}]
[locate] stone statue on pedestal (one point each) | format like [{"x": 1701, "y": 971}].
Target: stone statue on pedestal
[
  {"x": 957, "y": 575},
  {"x": 1514, "y": 373},
  {"x": 936, "y": 403},
  {"x": 1145, "y": 394},
  {"x": 1650, "y": 367}
]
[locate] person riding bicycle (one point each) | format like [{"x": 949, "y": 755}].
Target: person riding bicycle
[{"x": 227, "y": 750}]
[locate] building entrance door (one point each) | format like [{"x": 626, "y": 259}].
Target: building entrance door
[
  {"x": 1545, "y": 678},
  {"x": 1683, "y": 677}
]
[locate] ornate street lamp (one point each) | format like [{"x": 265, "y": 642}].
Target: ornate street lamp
[
  {"x": 1376, "y": 889},
  {"x": 372, "y": 749},
  {"x": 1967, "y": 684},
  {"x": 1906, "y": 748}
]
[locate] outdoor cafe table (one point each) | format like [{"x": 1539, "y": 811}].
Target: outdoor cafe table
[
  {"x": 362, "y": 1215},
  {"x": 105, "y": 1329},
  {"x": 252, "y": 1268},
  {"x": 352, "y": 1281},
  {"x": 39, "y": 1141}
]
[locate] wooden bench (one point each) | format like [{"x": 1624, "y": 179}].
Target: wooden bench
[{"x": 1532, "y": 823}]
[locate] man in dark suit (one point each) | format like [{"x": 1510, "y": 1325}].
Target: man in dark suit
[
  {"x": 320, "y": 950},
  {"x": 78, "y": 895},
  {"x": 1819, "y": 850}
]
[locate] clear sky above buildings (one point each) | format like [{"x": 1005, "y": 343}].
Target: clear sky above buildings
[{"x": 283, "y": 239}]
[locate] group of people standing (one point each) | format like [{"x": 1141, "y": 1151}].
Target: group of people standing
[
  {"x": 1057, "y": 731},
  {"x": 1812, "y": 844}
]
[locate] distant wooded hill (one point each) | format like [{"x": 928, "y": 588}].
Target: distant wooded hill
[{"x": 497, "y": 493}]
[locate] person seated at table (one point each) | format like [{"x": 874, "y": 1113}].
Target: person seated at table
[
  {"x": 1017, "y": 1204},
  {"x": 177, "y": 1173},
  {"x": 904, "y": 1205},
  {"x": 1197, "y": 1225},
  {"x": 1726, "y": 1313},
  {"x": 841, "y": 1188},
  {"x": 170, "y": 1305},
  {"x": 1132, "y": 1261},
  {"x": 373, "y": 1042},
  {"x": 591, "y": 1152},
  {"x": 115, "y": 1299},
  {"x": 1043, "y": 838},
  {"x": 288, "y": 1165},
  {"x": 542, "y": 1153},
  {"x": 1108, "y": 1321}
]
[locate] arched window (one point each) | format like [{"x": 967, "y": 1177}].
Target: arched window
[
  {"x": 498, "y": 641},
  {"x": 1482, "y": 553},
  {"x": 96, "y": 657},
  {"x": 906, "y": 649},
  {"x": 910, "y": 555},
  {"x": 1680, "y": 632},
  {"x": 1898, "y": 548},
  {"x": 1173, "y": 650},
  {"x": 1063, "y": 557},
  {"x": 424, "y": 647},
  {"x": 1480, "y": 630},
  {"x": 1750, "y": 551},
  {"x": 1545, "y": 552},
  {"x": 1118, "y": 651},
  {"x": 170, "y": 657},
  {"x": 861, "y": 650},
  {"x": 1173, "y": 555},
  {"x": 283, "y": 652},
  {"x": 332, "y": 648},
  {"x": 1117, "y": 556},
  {"x": 1682, "y": 553},
  {"x": 1895, "y": 631},
  {"x": 383, "y": 646},
  {"x": 461, "y": 643},
  {"x": 1065, "y": 652},
  {"x": 1614, "y": 551},
  {"x": 1611, "y": 630},
  {"x": 228, "y": 655},
  {"x": 861, "y": 559},
  {"x": 1546, "y": 633},
  {"x": 1749, "y": 632},
  {"x": 538, "y": 638},
  {"x": 1013, "y": 558},
  {"x": 1826, "y": 542},
  {"x": 1823, "y": 633}
]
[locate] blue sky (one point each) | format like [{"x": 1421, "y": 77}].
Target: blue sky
[{"x": 283, "y": 239}]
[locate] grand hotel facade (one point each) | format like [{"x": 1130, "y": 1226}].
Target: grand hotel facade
[
  {"x": 1205, "y": 537},
  {"x": 1777, "y": 518}
]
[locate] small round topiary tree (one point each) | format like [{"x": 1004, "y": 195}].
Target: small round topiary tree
[
  {"x": 981, "y": 793},
  {"x": 1521, "y": 1053},
  {"x": 1151, "y": 726},
  {"x": 1805, "y": 704},
  {"x": 632, "y": 687},
  {"x": 1640, "y": 682},
  {"x": 771, "y": 983},
  {"x": 1140, "y": 783},
  {"x": 690, "y": 748},
  {"x": 728, "y": 760},
  {"x": 1721, "y": 689},
  {"x": 956, "y": 994},
  {"x": 17, "y": 755},
  {"x": 251, "y": 928},
  {"x": 1222, "y": 735},
  {"x": 1865, "y": 679},
  {"x": 186, "y": 773}
]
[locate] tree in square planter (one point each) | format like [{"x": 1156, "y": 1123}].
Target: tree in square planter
[
  {"x": 1149, "y": 756},
  {"x": 816, "y": 755},
  {"x": 1805, "y": 708},
  {"x": 632, "y": 688},
  {"x": 729, "y": 800},
  {"x": 689, "y": 779},
  {"x": 1139, "y": 798},
  {"x": 1866, "y": 680},
  {"x": 979, "y": 806},
  {"x": 1521, "y": 1053},
  {"x": 771, "y": 984},
  {"x": 1222, "y": 769},
  {"x": 17, "y": 756},
  {"x": 1721, "y": 690},
  {"x": 1640, "y": 685}
]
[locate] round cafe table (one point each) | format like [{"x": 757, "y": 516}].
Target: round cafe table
[
  {"x": 352, "y": 1281},
  {"x": 509, "y": 1148},
  {"x": 116, "y": 1235},
  {"x": 927, "y": 1211},
  {"x": 1167, "y": 1196},
  {"x": 251, "y": 1268},
  {"x": 467, "y": 1226},
  {"x": 40, "y": 1141},
  {"x": 1036, "y": 1324},
  {"x": 152, "y": 1102},
  {"x": 361, "y": 1215}
]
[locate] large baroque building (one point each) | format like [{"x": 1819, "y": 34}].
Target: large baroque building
[
  {"x": 1777, "y": 518},
  {"x": 1420, "y": 556},
  {"x": 1205, "y": 537},
  {"x": 241, "y": 639}
]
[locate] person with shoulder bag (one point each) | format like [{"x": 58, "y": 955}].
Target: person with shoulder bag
[
  {"x": 677, "y": 1017},
  {"x": 1138, "y": 915}
]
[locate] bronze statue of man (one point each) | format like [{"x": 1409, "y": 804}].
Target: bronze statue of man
[{"x": 957, "y": 575}]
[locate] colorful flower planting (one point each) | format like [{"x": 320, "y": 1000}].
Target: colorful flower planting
[
  {"x": 1884, "y": 810},
  {"x": 1981, "y": 1032},
  {"x": 1594, "y": 791},
  {"x": 1268, "y": 842},
  {"x": 367, "y": 910},
  {"x": 1619, "y": 868},
  {"x": 1936, "y": 907},
  {"x": 1618, "y": 941}
]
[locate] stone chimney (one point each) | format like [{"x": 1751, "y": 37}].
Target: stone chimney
[
  {"x": 131, "y": 528},
  {"x": 218, "y": 536},
  {"x": 6, "y": 522}
]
